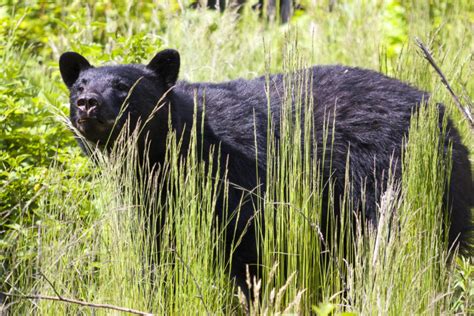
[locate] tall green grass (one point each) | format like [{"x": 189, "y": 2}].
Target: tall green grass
[
  {"x": 293, "y": 242},
  {"x": 402, "y": 264},
  {"x": 116, "y": 258}
]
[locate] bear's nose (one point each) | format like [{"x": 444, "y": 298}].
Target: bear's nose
[{"x": 87, "y": 102}]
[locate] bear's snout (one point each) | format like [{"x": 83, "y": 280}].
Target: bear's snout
[{"x": 88, "y": 102}]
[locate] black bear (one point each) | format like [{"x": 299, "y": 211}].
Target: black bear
[{"x": 372, "y": 115}]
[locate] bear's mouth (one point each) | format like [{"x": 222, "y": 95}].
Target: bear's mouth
[
  {"x": 92, "y": 128},
  {"x": 88, "y": 119}
]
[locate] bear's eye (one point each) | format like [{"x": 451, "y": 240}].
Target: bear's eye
[
  {"x": 120, "y": 86},
  {"x": 80, "y": 88}
]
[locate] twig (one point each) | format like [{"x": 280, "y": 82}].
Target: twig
[
  {"x": 51, "y": 284},
  {"x": 77, "y": 302},
  {"x": 427, "y": 55}
]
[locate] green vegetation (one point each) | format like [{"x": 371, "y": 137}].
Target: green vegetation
[{"x": 74, "y": 228}]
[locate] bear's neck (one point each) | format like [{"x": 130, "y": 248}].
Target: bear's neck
[
  {"x": 186, "y": 108},
  {"x": 188, "y": 104}
]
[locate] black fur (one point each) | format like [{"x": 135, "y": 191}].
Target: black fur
[{"x": 372, "y": 117}]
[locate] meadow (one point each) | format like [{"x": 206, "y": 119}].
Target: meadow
[{"x": 71, "y": 227}]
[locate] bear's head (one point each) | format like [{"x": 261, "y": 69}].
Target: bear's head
[{"x": 103, "y": 99}]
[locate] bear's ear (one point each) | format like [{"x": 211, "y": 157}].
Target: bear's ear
[
  {"x": 166, "y": 65},
  {"x": 71, "y": 64}
]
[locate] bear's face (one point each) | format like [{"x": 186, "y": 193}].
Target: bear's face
[{"x": 102, "y": 99}]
